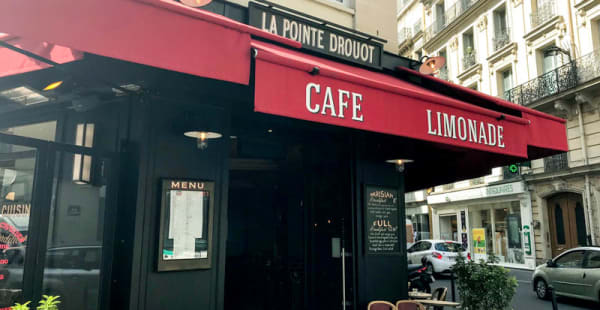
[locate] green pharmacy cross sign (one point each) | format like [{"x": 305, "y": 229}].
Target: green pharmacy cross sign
[{"x": 514, "y": 168}]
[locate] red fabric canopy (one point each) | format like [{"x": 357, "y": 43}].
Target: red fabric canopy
[
  {"x": 12, "y": 62},
  {"x": 348, "y": 96},
  {"x": 159, "y": 33}
]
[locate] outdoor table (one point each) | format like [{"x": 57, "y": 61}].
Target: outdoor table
[
  {"x": 419, "y": 295},
  {"x": 443, "y": 303}
]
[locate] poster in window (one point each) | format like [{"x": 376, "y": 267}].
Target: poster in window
[
  {"x": 186, "y": 225},
  {"x": 381, "y": 221}
]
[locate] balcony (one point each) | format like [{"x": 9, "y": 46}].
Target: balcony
[
  {"x": 556, "y": 163},
  {"x": 561, "y": 79},
  {"x": 469, "y": 59},
  {"x": 501, "y": 39},
  {"x": 545, "y": 11},
  {"x": 457, "y": 9},
  {"x": 404, "y": 34}
]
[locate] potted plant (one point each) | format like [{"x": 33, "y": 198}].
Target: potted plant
[
  {"x": 483, "y": 285},
  {"x": 47, "y": 303}
]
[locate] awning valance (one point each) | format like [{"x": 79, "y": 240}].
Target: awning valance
[{"x": 292, "y": 84}]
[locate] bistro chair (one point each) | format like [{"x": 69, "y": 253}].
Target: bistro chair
[
  {"x": 380, "y": 305},
  {"x": 409, "y": 305},
  {"x": 439, "y": 294}
]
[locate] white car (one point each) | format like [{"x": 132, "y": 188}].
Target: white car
[{"x": 438, "y": 255}]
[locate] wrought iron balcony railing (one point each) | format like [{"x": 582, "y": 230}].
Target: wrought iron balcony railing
[
  {"x": 435, "y": 28},
  {"x": 545, "y": 11},
  {"x": 417, "y": 27},
  {"x": 501, "y": 38},
  {"x": 556, "y": 162},
  {"x": 404, "y": 34},
  {"x": 563, "y": 78},
  {"x": 469, "y": 60}
]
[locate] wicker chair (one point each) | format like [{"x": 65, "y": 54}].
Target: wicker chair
[
  {"x": 409, "y": 305},
  {"x": 381, "y": 305}
]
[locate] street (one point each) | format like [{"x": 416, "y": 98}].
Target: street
[{"x": 525, "y": 297}]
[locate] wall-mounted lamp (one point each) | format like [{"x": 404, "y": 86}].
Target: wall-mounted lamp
[
  {"x": 82, "y": 164},
  {"x": 196, "y": 3},
  {"x": 53, "y": 86},
  {"x": 399, "y": 163},
  {"x": 202, "y": 137}
]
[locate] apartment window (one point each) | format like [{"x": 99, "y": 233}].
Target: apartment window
[
  {"x": 550, "y": 60},
  {"x": 468, "y": 50},
  {"x": 347, "y": 3},
  {"x": 440, "y": 16},
  {"x": 507, "y": 81},
  {"x": 501, "y": 31},
  {"x": 444, "y": 70}
]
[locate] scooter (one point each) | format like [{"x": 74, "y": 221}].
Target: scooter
[{"x": 419, "y": 278}]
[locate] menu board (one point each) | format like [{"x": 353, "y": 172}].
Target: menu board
[
  {"x": 381, "y": 221},
  {"x": 186, "y": 218}
]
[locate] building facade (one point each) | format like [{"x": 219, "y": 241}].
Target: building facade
[{"x": 541, "y": 54}]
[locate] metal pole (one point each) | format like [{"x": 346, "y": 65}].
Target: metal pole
[
  {"x": 553, "y": 295},
  {"x": 343, "y": 278},
  {"x": 452, "y": 286}
]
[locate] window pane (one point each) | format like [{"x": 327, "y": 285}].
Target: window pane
[
  {"x": 560, "y": 227},
  {"x": 75, "y": 235},
  {"x": 17, "y": 169},
  {"x": 570, "y": 260},
  {"x": 43, "y": 131},
  {"x": 449, "y": 247},
  {"x": 580, "y": 220},
  {"x": 592, "y": 260}
]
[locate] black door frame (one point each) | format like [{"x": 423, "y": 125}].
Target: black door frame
[{"x": 42, "y": 193}]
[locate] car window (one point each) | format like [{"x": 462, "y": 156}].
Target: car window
[
  {"x": 425, "y": 246},
  {"x": 449, "y": 247},
  {"x": 592, "y": 260},
  {"x": 414, "y": 247},
  {"x": 570, "y": 260}
]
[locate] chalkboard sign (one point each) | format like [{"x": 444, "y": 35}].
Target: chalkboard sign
[{"x": 381, "y": 221}]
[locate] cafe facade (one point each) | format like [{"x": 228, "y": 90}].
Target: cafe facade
[{"x": 159, "y": 156}]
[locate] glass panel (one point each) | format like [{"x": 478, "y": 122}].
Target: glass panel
[
  {"x": 75, "y": 235},
  {"x": 17, "y": 169},
  {"x": 506, "y": 80},
  {"x": 448, "y": 228},
  {"x": 560, "y": 226},
  {"x": 43, "y": 131},
  {"x": 592, "y": 260},
  {"x": 570, "y": 260},
  {"x": 482, "y": 219},
  {"x": 580, "y": 224},
  {"x": 449, "y": 247}
]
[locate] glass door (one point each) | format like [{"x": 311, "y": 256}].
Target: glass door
[{"x": 55, "y": 222}]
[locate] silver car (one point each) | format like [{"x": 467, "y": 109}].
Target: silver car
[{"x": 573, "y": 273}]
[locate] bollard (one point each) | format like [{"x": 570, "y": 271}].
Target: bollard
[
  {"x": 452, "y": 285},
  {"x": 553, "y": 296}
]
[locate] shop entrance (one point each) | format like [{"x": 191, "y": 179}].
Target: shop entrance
[
  {"x": 567, "y": 222},
  {"x": 289, "y": 222},
  {"x": 55, "y": 230}
]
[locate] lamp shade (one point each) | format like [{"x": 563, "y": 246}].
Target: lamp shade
[{"x": 196, "y": 3}]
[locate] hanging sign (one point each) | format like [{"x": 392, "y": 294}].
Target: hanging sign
[
  {"x": 186, "y": 225},
  {"x": 316, "y": 37},
  {"x": 479, "y": 246},
  {"x": 381, "y": 220}
]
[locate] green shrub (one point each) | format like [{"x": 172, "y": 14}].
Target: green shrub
[
  {"x": 47, "y": 303},
  {"x": 483, "y": 286}
]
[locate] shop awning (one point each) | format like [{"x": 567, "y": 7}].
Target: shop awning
[
  {"x": 158, "y": 33},
  {"x": 12, "y": 62},
  {"x": 292, "y": 84}
]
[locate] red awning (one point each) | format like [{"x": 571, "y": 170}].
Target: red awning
[
  {"x": 343, "y": 95},
  {"x": 158, "y": 33},
  {"x": 12, "y": 62}
]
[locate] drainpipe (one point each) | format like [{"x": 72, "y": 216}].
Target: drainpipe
[
  {"x": 588, "y": 198},
  {"x": 572, "y": 32}
]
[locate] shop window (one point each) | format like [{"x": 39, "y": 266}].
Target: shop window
[
  {"x": 570, "y": 260},
  {"x": 43, "y": 131},
  {"x": 482, "y": 219},
  {"x": 420, "y": 224},
  {"x": 560, "y": 226},
  {"x": 507, "y": 234},
  {"x": 448, "y": 228}
]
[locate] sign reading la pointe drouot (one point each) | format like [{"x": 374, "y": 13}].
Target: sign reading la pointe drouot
[{"x": 316, "y": 37}]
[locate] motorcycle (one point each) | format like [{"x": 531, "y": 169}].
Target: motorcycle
[{"x": 419, "y": 278}]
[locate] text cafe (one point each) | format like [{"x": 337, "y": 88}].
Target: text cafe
[{"x": 194, "y": 160}]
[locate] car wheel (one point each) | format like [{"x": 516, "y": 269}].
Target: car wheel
[{"x": 541, "y": 289}]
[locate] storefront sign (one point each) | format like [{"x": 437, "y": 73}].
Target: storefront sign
[
  {"x": 316, "y": 37},
  {"x": 381, "y": 220},
  {"x": 186, "y": 225},
  {"x": 15, "y": 209},
  {"x": 459, "y": 127},
  {"x": 479, "y": 246},
  {"x": 479, "y": 192},
  {"x": 527, "y": 239}
]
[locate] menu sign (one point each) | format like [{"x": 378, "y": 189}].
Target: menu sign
[
  {"x": 316, "y": 36},
  {"x": 381, "y": 219},
  {"x": 186, "y": 217}
]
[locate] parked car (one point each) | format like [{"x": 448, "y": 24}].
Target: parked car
[
  {"x": 437, "y": 255},
  {"x": 573, "y": 273}
]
